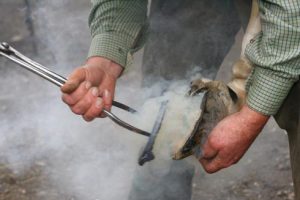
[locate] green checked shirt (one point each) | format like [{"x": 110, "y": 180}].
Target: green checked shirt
[{"x": 119, "y": 28}]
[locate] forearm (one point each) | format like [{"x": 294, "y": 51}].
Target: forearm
[
  {"x": 253, "y": 119},
  {"x": 275, "y": 52},
  {"x": 117, "y": 27}
]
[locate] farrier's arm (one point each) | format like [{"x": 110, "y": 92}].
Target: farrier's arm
[
  {"x": 276, "y": 56},
  {"x": 275, "y": 53},
  {"x": 118, "y": 29}
]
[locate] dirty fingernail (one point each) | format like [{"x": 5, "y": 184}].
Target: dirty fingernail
[
  {"x": 106, "y": 93},
  {"x": 95, "y": 91},
  {"x": 88, "y": 85},
  {"x": 98, "y": 103}
]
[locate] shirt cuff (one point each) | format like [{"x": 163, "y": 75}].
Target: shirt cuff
[
  {"x": 267, "y": 91},
  {"x": 115, "y": 47}
]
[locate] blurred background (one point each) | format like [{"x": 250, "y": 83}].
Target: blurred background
[{"x": 47, "y": 153}]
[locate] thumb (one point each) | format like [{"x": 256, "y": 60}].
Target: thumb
[
  {"x": 74, "y": 80},
  {"x": 208, "y": 151},
  {"x": 107, "y": 98}
]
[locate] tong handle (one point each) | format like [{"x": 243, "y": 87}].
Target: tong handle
[{"x": 12, "y": 54}]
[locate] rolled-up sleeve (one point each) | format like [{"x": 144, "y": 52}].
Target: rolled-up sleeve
[
  {"x": 275, "y": 53},
  {"x": 118, "y": 28}
]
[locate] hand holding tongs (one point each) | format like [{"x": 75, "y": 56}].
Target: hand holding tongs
[{"x": 12, "y": 54}]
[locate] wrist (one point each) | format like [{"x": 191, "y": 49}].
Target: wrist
[
  {"x": 106, "y": 65},
  {"x": 253, "y": 119}
]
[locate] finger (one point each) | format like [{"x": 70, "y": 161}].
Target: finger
[
  {"x": 204, "y": 163},
  {"x": 86, "y": 102},
  {"x": 78, "y": 94},
  {"x": 212, "y": 166},
  {"x": 208, "y": 151},
  {"x": 107, "y": 99},
  {"x": 74, "y": 80},
  {"x": 95, "y": 110}
]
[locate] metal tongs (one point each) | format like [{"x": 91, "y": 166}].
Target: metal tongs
[{"x": 12, "y": 54}]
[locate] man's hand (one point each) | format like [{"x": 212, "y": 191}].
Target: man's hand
[
  {"x": 90, "y": 88},
  {"x": 231, "y": 138}
]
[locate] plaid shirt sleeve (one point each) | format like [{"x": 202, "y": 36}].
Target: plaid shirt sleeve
[
  {"x": 275, "y": 52},
  {"x": 118, "y": 28}
]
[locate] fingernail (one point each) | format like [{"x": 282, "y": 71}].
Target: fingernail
[
  {"x": 88, "y": 85},
  {"x": 70, "y": 82},
  {"x": 95, "y": 91},
  {"x": 99, "y": 103},
  {"x": 106, "y": 93}
]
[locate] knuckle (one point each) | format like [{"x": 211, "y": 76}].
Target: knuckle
[
  {"x": 210, "y": 169},
  {"x": 66, "y": 99},
  {"x": 77, "y": 110},
  {"x": 93, "y": 113},
  {"x": 87, "y": 101},
  {"x": 228, "y": 164},
  {"x": 88, "y": 118},
  {"x": 235, "y": 160},
  {"x": 63, "y": 98},
  {"x": 78, "y": 70}
]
